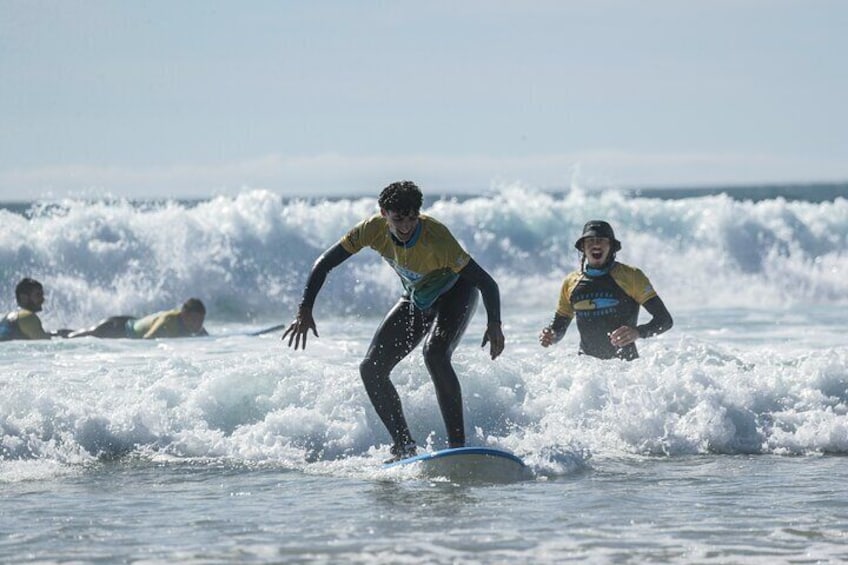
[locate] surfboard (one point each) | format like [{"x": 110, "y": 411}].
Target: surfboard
[
  {"x": 483, "y": 464},
  {"x": 267, "y": 330}
]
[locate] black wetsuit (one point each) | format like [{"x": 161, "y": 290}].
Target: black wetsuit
[
  {"x": 400, "y": 332},
  {"x": 112, "y": 327},
  {"x": 443, "y": 323}
]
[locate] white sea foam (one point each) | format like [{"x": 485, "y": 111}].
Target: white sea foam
[
  {"x": 754, "y": 363},
  {"x": 252, "y": 400},
  {"x": 247, "y": 256}
]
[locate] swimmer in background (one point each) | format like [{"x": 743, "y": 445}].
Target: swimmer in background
[
  {"x": 183, "y": 322},
  {"x": 24, "y": 322}
]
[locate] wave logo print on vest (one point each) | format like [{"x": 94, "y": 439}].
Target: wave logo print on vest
[{"x": 596, "y": 304}]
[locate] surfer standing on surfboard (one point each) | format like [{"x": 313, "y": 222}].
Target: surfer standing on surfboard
[
  {"x": 605, "y": 296},
  {"x": 440, "y": 282}
]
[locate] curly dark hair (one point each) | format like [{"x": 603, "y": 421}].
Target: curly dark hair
[{"x": 402, "y": 196}]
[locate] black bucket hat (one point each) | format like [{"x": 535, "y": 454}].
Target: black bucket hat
[{"x": 598, "y": 228}]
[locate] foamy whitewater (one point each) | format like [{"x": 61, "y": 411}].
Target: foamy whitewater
[{"x": 724, "y": 443}]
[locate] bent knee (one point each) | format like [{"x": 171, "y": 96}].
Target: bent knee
[
  {"x": 366, "y": 367},
  {"x": 373, "y": 370},
  {"x": 437, "y": 351}
]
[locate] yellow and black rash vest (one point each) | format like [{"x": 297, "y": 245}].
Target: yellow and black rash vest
[
  {"x": 427, "y": 264},
  {"x": 160, "y": 324},
  {"x": 22, "y": 324},
  {"x": 604, "y": 303}
]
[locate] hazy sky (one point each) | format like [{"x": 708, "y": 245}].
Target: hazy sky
[{"x": 192, "y": 98}]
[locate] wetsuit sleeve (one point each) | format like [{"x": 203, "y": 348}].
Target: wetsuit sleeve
[
  {"x": 329, "y": 260},
  {"x": 661, "y": 321},
  {"x": 488, "y": 288},
  {"x": 558, "y": 325}
]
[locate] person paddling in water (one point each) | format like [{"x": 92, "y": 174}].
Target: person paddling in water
[
  {"x": 24, "y": 322},
  {"x": 440, "y": 282},
  {"x": 605, "y": 296},
  {"x": 186, "y": 321}
]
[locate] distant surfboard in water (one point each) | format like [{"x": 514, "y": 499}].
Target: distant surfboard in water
[{"x": 483, "y": 464}]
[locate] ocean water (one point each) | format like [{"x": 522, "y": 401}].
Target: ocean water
[{"x": 724, "y": 443}]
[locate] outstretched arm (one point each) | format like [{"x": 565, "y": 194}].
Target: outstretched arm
[
  {"x": 304, "y": 321},
  {"x": 492, "y": 301}
]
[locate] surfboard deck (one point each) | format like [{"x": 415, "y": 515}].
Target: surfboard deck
[{"x": 484, "y": 464}]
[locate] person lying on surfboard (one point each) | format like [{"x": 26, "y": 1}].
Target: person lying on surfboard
[
  {"x": 605, "y": 296},
  {"x": 24, "y": 323},
  {"x": 440, "y": 282},
  {"x": 186, "y": 321}
]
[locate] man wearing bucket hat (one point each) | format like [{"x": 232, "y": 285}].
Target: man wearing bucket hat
[{"x": 605, "y": 296}]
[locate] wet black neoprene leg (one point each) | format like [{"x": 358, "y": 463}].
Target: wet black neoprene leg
[
  {"x": 454, "y": 311},
  {"x": 114, "y": 327},
  {"x": 400, "y": 331}
]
